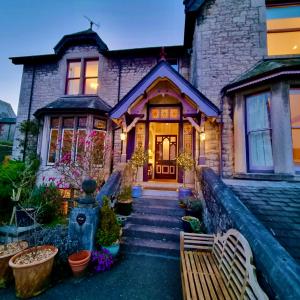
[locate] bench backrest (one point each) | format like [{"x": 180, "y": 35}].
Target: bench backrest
[{"x": 235, "y": 261}]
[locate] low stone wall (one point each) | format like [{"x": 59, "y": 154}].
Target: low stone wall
[{"x": 277, "y": 271}]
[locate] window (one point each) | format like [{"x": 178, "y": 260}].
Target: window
[
  {"x": 68, "y": 135},
  {"x": 91, "y": 77},
  {"x": 73, "y": 78},
  {"x": 53, "y": 140},
  {"x": 258, "y": 129},
  {"x": 295, "y": 125},
  {"x": 283, "y": 30},
  {"x": 88, "y": 85}
]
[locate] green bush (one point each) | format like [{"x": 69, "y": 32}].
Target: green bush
[
  {"x": 109, "y": 230},
  {"x": 48, "y": 198}
]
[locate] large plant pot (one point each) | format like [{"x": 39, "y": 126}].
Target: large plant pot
[
  {"x": 136, "y": 191},
  {"x": 25, "y": 217},
  {"x": 113, "y": 249},
  {"x": 79, "y": 261},
  {"x": 124, "y": 208},
  {"x": 184, "y": 193},
  {"x": 6, "y": 274},
  {"x": 33, "y": 278}
]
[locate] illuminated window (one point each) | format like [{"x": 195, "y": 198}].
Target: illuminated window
[
  {"x": 91, "y": 77},
  {"x": 53, "y": 140},
  {"x": 88, "y": 85},
  {"x": 295, "y": 125},
  {"x": 258, "y": 127},
  {"x": 67, "y": 137},
  {"x": 283, "y": 30},
  {"x": 73, "y": 78}
]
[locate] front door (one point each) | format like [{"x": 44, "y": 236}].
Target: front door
[{"x": 165, "y": 156}]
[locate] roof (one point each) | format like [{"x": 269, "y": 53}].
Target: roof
[
  {"x": 277, "y": 206},
  {"x": 6, "y": 110},
  {"x": 161, "y": 70},
  {"x": 264, "y": 70},
  {"x": 81, "y": 37},
  {"x": 78, "y": 104}
]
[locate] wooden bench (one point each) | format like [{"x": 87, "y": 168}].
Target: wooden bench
[{"x": 218, "y": 267}]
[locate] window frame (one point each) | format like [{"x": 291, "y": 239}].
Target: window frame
[
  {"x": 251, "y": 169},
  {"x": 84, "y": 77},
  {"x": 73, "y": 78}
]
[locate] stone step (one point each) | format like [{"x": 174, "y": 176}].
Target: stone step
[
  {"x": 155, "y": 220},
  {"x": 158, "y": 210},
  {"x": 168, "y": 202},
  {"x": 151, "y": 232},
  {"x": 160, "y": 193},
  {"x": 137, "y": 245}
]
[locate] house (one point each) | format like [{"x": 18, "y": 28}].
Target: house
[
  {"x": 7, "y": 122},
  {"x": 229, "y": 95}
]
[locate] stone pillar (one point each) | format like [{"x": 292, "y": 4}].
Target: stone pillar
[{"x": 281, "y": 129}]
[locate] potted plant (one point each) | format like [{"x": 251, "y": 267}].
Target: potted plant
[
  {"x": 191, "y": 224},
  {"x": 193, "y": 208},
  {"x": 138, "y": 159},
  {"x": 7, "y": 251},
  {"x": 32, "y": 267},
  {"x": 185, "y": 161},
  {"x": 79, "y": 261},
  {"x": 124, "y": 204},
  {"x": 108, "y": 234}
]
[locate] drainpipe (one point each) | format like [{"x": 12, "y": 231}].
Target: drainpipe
[
  {"x": 221, "y": 137},
  {"x": 119, "y": 78},
  {"x": 29, "y": 111}
]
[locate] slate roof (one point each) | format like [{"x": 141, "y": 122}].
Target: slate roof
[
  {"x": 266, "y": 69},
  {"x": 72, "y": 104},
  {"x": 6, "y": 110},
  {"x": 277, "y": 206}
]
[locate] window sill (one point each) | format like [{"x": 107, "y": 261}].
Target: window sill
[
  {"x": 80, "y": 95},
  {"x": 266, "y": 176}
]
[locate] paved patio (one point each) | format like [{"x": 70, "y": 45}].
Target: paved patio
[
  {"x": 134, "y": 277},
  {"x": 276, "y": 205}
]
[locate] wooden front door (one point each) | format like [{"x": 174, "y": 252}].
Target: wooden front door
[{"x": 165, "y": 156}]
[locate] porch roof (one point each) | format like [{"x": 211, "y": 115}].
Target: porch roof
[
  {"x": 76, "y": 104},
  {"x": 164, "y": 70}
]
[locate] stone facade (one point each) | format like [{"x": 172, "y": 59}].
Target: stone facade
[{"x": 229, "y": 38}]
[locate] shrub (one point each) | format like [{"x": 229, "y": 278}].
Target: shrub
[
  {"x": 125, "y": 193},
  {"x": 109, "y": 230},
  {"x": 49, "y": 198},
  {"x": 101, "y": 260}
]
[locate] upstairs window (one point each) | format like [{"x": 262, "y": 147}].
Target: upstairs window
[
  {"x": 283, "y": 30},
  {"x": 73, "y": 78},
  {"x": 258, "y": 129},
  {"x": 82, "y": 83},
  {"x": 295, "y": 125}
]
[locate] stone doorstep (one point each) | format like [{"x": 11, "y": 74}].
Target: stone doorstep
[
  {"x": 158, "y": 210},
  {"x": 155, "y": 220},
  {"x": 160, "y": 193}
]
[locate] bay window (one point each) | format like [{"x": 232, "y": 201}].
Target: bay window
[
  {"x": 68, "y": 136},
  {"x": 82, "y": 83},
  {"x": 258, "y": 133},
  {"x": 295, "y": 125}
]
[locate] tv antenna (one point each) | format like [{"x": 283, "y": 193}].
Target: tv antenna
[{"x": 92, "y": 23}]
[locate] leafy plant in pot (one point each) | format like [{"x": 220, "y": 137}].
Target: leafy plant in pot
[
  {"x": 108, "y": 233},
  {"x": 185, "y": 161},
  {"x": 138, "y": 159},
  {"x": 32, "y": 267},
  {"x": 193, "y": 208},
  {"x": 124, "y": 204},
  {"x": 191, "y": 224}
]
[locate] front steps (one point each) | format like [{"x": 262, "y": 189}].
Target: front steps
[{"x": 154, "y": 226}]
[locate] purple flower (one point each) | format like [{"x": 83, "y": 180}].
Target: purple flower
[{"x": 101, "y": 260}]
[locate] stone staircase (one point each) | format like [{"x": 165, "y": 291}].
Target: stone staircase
[{"x": 154, "y": 225}]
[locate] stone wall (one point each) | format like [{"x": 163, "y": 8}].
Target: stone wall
[
  {"x": 229, "y": 38},
  {"x": 277, "y": 271}
]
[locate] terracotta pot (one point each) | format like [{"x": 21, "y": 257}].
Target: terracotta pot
[
  {"x": 6, "y": 274},
  {"x": 79, "y": 261},
  {"x": 32, "y": 279}
]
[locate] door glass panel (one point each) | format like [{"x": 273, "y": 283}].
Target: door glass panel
[
  {"x": 166, "y": 146},
  {"x": 173, "y": 152}
]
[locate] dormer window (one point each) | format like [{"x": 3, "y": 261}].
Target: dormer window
[{"x": 82, "y": 82}]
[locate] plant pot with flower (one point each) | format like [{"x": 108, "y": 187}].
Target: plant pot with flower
[
  {"x": 191, "y": 224},
  {"x": 185, "y": 162},
  {"x": 108, "y": 233},
  {"x": 124, "y": 204},
  {"x": 138, "y": 160}
]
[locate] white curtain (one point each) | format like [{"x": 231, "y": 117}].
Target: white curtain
[{"x": 259, "y": 132}]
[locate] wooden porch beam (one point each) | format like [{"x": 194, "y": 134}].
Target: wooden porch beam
[
  {"x": 194, "y": 124},
  {"x": 132, "y": 124}
]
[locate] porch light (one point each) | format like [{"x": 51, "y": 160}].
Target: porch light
[
  {"x": 123, "y": 136},
  {"x": 202, "y": 136}
]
